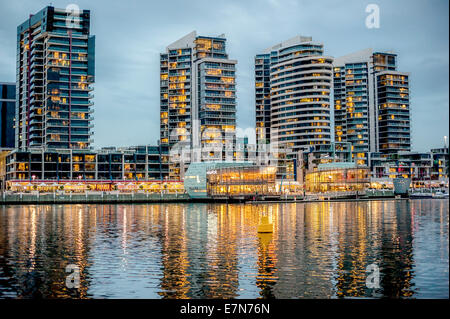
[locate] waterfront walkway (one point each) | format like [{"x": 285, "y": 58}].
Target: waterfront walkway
[
  {"x": 119, "y": 197},
  {"x": 53, "y": 198}
]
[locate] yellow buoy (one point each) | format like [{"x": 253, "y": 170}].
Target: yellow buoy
[
  {"x": 265, "y": 226},
  {"x": 265, "y": 239}
]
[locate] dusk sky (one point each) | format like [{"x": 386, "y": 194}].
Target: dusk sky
[{"x": 130, "y": 35}]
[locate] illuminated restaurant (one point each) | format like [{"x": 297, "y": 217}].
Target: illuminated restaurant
[
  {"x": 136, "y": 163},
  {"x": 80, "y": 186},
  {"x": 337, "y": 177},
  {"x": 239, "y": 181}
]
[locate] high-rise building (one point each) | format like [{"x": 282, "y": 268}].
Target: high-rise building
[
  {"x": 55, "y": 73},
  {"x": 293, "y": 84},
  {"x": 262, "y": 97},
  {"x": 371, "y": 104},
  {"x": 394, "y": 123},
  {"x": 198, "y": 101},
  {"x": 7, "y": 113},
  {"x": 354, "y": 104}
]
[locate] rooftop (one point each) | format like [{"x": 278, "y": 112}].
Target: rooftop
[
  {"x": 290, "y": 42},
  {"x": 338, "y": 165}
]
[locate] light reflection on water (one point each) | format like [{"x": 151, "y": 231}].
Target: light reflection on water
[{"x": 316, "y": 250}]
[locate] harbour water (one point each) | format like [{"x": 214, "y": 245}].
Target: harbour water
[{"x": 193, "y": 250}]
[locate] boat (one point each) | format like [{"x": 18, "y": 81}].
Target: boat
[
  {"x": 420, "y": 195},
  {"x": 440, "y": 195}
]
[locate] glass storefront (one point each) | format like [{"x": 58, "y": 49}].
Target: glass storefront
[
  {"x": 169, "y": 187},
  {"x": 235, "y": 181},
  {"x": 337, "y": 180}
]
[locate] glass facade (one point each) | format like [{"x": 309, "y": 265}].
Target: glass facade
[
  {"x": 351, "y": 108},
  {"x": 140, "y": 163},
  {"x": 337, "y": 180},
  {"x": 292, "y": 98},
  {"x": 262, "y": 98},
  {"x": 241, "y": 181},
  {"x": 295, "y": 79},
  {"x": 55, "y": 73},
  {"x": 195, "y": 181},
  {"x": 68, "y": 186},
  {"x": 197, "y": 102},
  {"x": 440, "y": 163},
  {"x": 217, "y": 108},
  {"x": 371, "y": 104},
  {"x": 7, "y": 114},
  {"x": 393, "y": 112}
]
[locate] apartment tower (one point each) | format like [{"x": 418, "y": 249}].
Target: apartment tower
[
  {"x": 292, "y": 85},
  {"x": 7, "y": 113},
  {"x": 371, "y": 104},
  {"x": 293, "y": 82},
  {"x": 198, "y": 101},
  {"x": 55, "y": 73}
]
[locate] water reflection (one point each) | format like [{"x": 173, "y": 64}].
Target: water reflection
[
  {"x": 316, "y": 250},
  {"x": 266, "y": 278}
]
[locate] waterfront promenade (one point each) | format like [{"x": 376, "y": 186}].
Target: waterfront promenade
[
  {"x": 134, "y": 197},
  {"x": 94, "y": 197}
]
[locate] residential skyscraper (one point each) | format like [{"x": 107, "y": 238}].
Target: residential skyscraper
[
  {"x": 7, "y": 113},
  {"x": 55, "y": 72},
  {"x": 371, "y": 104},
  {"x": 262, "y": 97},
  {"x": 293, "y": 82},
  {"x": 198, "y": 100},
  {"x": 394, "y": 123},
  {"x": 292, "y": 85}
]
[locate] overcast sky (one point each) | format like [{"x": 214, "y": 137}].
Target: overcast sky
[{"x": 131, "y": 34}]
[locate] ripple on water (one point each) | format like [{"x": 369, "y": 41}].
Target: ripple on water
[{"x": 316, "y": 250}]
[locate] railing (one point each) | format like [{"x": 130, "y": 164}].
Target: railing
[
  {"x": 379, "y": 192},
  {"x": 90, "y": 197}
]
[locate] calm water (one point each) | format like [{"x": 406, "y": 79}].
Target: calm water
[{"x": 317, "y": 250}]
